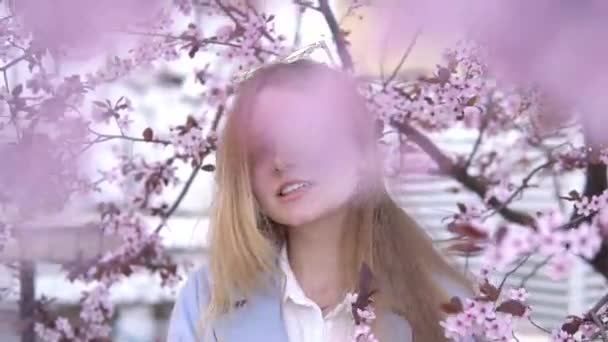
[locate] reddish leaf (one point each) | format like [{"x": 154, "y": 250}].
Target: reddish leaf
[
  {"x": 465, "y": 247},
  {"x": 100, "y": 104},
  {"x": 472, "y": 101},
  {"x": 148, "y": 134},
  {"x": 17, "y": 90},
  {"x": 500, "y": 234},
  {"x": 193, "y": 50},
  {"x": 513, "y": 307},
  {"x": 573, "y": 325},
  {"x": 364, "y": 291},
  {"x": 453, "y": 307},
  {"x": 574, "y": 195},
  {"x": 443, "y": 75},
  {"x": 468, "y": 230},
  {"x": 191, "y": 122},
  {"x": 489, "y": 290}
]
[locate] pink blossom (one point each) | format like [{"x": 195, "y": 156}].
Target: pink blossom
[
  {"x": 558, "y": 266},
  {"x": 457, "y": 327},
  {"x": 64, "y": 327},
  {"x": 502, "y": 191},
  {"x": 224, "y": 32},
  {"x": 588, "y": 330},
  {"x": 501, "y": 327},
  {"x": 520, "y": 241},
  {"x": 367, "y": 315},
  {"x": 585, "y": 240},
  {"x": 587, "y": 206},
  {"x": 519, "y": 294},
  {"x": 498, "y": 257},
  {"x": 48, "y": 335},
  {"x": 482, "y": 311},
  {"x": 559, "y": 335}
]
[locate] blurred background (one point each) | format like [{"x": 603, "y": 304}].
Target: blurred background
[{"x": 163, "y": 94}]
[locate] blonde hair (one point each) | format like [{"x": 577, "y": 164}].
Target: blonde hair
[{"x": 244, "y": 246}]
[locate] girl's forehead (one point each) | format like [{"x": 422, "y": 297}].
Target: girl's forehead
[{"x": 288, "y": 108}]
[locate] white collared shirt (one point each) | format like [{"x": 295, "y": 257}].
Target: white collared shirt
[{"x": 303, "y": 318}]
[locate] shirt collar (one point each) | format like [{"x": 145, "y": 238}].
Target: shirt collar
[{"x": 292, "y": 291}]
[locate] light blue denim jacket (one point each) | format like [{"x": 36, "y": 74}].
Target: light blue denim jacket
[{"x": 259, "y": 319}]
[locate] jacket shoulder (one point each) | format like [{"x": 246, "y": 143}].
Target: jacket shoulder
[{"x": 191, "y": 303}]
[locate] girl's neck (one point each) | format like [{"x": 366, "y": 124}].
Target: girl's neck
[{"x": 315, "y": 256}]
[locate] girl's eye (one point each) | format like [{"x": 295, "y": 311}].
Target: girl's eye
[{"x": 260, "y": 153}]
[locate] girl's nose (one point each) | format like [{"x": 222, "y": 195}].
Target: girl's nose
[{"x": 281, "y": 163}]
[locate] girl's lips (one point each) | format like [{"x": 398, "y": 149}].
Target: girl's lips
[{"x": 294, "y": 195}]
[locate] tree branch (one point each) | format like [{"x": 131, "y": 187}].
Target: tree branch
[
  {"x": 459, "y": 173},
  {"x": 595, "y": 183},
  {"x": 214, "y": 125},
  {"x": 337, "y": 34},
  {"x": 407, "y": 52}
]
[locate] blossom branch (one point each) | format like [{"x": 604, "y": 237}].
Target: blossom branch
[
  {"x": 216, "y": 121},
  {"x": 524, "y": 184},
  {"x": 101, "y": 137},
  {"x": 307, "y": 4},
  {"x": 459, "y": 173},
  {"x": 535, "y": 270}
]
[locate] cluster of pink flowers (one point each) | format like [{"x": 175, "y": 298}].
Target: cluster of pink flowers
[
  {"x": 151, "y": 178},
  {"x": 120, "y": 111},
  {"x": 459, "y": 91},
  {"x": 587, "y": 206},
  {"x": 576, "y": 329},
  {"x": 191, "y": 141},
  {"x": 484, "y": 316},
  {"x": 549, "y": 239},
  {"x": 363, "y": 331}
]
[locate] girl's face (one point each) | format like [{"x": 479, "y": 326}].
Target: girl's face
[{"x": 302, "y": 154}]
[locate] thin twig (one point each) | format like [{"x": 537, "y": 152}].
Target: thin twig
[
  {"x": 603, "y": 301},
  {"x": 508, "y": 274},
  {"x": 218, "y": 115},
  {"x": 307, "y": 4},
  {"x": 201, "y": 42},
  {"x": 524, "y": 185},
  {"x": 600, "y": 325},
  {"x": 538, "y": 326},
  {"x": 448, "y": 167},
  {"x": 337, "y": 34},
  {"x": 106, "y": 137},
  {"x": 181, "y": 195},
  {"x": 14, "y": 61},
  {"x": 5, "y": 80},
  {"x": 484, "y": 124},
  {"x": 535, "y": 270},
  {"x": 407, "y": 52}
]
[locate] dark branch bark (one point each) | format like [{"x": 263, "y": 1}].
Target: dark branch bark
[
  {"x": 338, "y": 36},
  {"x": 595, "y": 183},
  {"x": 27, "y": 298}
]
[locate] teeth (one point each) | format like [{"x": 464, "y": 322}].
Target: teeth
[{"x": 291, "y": 188}]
